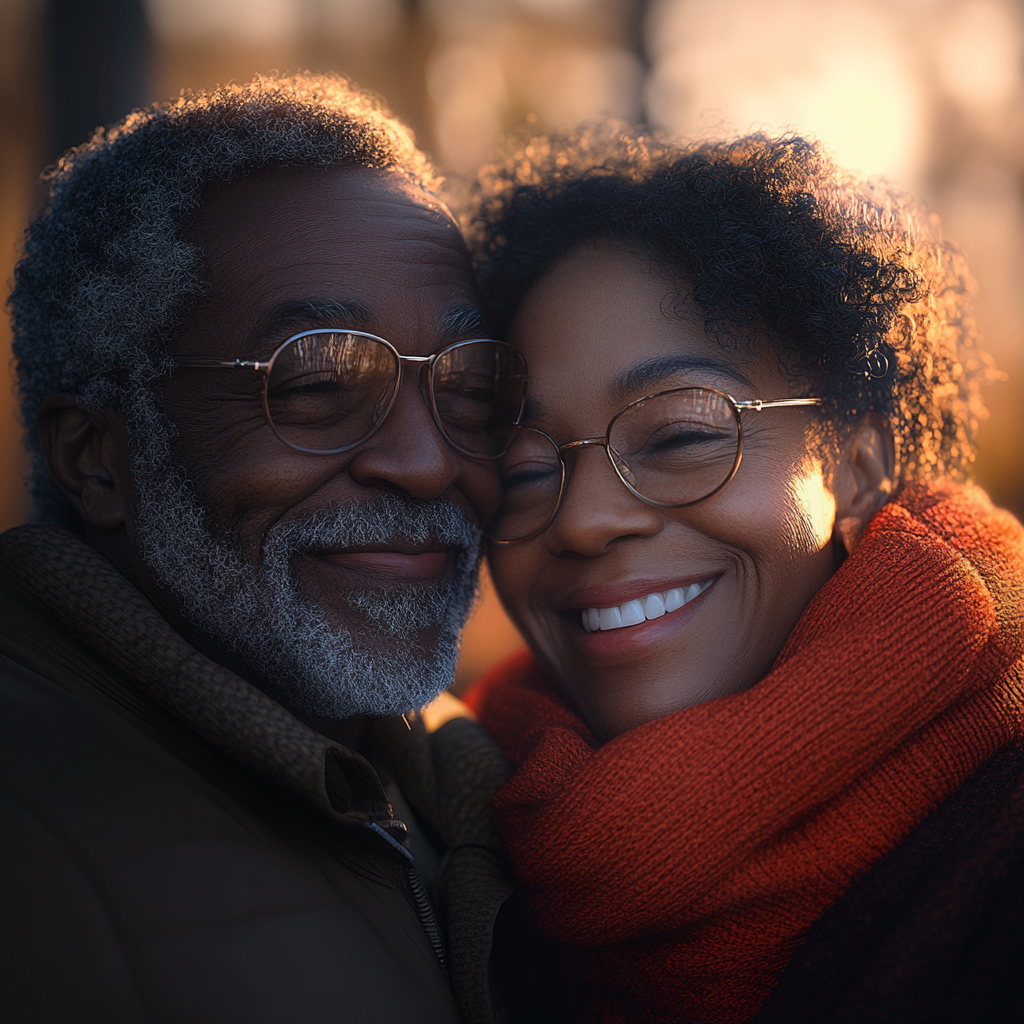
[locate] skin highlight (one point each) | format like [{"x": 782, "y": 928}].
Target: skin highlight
[
  {"x": 591, "y": 328},
  {"x": 348, "y": 237}
]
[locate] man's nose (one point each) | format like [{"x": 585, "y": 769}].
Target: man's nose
[
  {"x": 596, "y": 508},
  {"x": 408, "y": 453}
]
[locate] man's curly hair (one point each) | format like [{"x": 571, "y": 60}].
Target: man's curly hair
[
  {"x": 769, "y": 240},
  {"x": 108, "y": 276}
]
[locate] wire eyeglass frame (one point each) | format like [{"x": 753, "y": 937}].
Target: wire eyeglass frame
[
  {"x": 426, "y": 364},
  {"x": 737, "y": 406}
]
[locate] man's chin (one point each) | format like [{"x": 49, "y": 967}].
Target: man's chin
[{"x": 376, "y": 642}]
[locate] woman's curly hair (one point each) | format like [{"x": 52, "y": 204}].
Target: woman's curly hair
[{"x": 770, "y": 239}]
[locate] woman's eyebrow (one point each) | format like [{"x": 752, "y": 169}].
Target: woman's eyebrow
[{"x": 647, "y": 375}]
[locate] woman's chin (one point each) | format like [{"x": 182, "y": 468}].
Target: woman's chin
[{"x": 623, "y": 678}]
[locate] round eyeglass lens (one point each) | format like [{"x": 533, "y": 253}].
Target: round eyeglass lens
[
  {"x": 676, "y": 448},
  {"x": 478, "y": 391},
  {"x": 531, "y": 479},
  {"x": 327, "y": 390}
]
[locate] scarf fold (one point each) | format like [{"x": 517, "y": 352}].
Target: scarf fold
[{"x": 678, "y": 866}]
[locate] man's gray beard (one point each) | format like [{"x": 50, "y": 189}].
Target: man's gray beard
[{"x": 292, "y": 651}]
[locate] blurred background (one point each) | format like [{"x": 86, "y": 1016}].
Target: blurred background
[{"x": 929, "y": 93}]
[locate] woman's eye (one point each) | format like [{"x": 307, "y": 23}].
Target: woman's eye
[{"x": 683, "y": 436}]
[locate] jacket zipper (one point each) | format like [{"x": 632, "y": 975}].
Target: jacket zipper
[{"x": 424, "y": 910}]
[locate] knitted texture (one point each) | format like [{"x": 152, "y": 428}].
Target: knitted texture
[{"x": 679, "y": 865}]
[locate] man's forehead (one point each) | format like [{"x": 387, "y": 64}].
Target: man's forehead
[
  {"x": 241, "y": 207},
  {"x": 348, "y": 248}
]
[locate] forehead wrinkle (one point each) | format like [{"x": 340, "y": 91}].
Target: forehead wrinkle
[{"x": 652, "y": 372}]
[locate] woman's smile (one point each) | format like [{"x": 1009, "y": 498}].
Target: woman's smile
[
  {"x": 656, "y": 602},
  {"x": 607, "y": 634}
]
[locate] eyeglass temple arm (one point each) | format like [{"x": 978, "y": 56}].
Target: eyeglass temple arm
[
  {"x": 205, "y": 362},
  {"x": 757, "y": 404}
]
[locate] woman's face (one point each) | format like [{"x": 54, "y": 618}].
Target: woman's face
[{"x": 600, "y": 330}]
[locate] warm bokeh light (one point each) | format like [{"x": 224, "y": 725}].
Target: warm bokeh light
[
  {"x": 489, "y": 637},
  {"x": 837, "y": 69},
  {"x": 927, "y": 92}
]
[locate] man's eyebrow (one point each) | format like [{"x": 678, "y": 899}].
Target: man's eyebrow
[
  {"x": 646, "y": 376},
  {"x": 463, "y": 320},
  {"x": 297, "y": 314}
]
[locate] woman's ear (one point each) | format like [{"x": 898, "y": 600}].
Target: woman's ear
[
  {"x": 86, "y": 456},
  {"x": 865, "y": 478}
]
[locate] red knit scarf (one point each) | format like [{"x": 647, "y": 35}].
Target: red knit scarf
[{"x": 678, "y": 866}]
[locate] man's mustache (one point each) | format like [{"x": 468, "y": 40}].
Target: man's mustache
[{"x": 383, "y": 519}]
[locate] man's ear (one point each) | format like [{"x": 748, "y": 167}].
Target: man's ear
[
  {"x": 86, "y": 454},
  {"x": 864, "y": 479}
]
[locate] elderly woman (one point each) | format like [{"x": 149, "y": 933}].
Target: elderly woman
[{"x": 767, "y": 726}]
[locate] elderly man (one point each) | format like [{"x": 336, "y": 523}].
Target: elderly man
[{"x": 264, "y": 424}]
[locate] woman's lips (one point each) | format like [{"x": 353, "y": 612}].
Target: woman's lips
[
  {"x": 614, "y": 594},
  {"x": 626, "y": 643},
  {"x": 397, "y": 565}
]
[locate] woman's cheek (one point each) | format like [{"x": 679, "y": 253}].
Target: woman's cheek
[{"x": 811, "y": 510}]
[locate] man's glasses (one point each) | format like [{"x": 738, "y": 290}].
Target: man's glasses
[
  {"x": 327, "y": 391},
  {"x": 672, "y": 449}
]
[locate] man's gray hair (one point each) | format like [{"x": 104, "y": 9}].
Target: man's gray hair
[{"x": 108, "y": 277}]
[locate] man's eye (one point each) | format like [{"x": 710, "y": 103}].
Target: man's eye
[
  {"x": 311, "y": 384},
  {"x": 528, "y": 474}
]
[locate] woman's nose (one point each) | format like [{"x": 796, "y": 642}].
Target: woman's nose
[{"x": 597, "y": 508}]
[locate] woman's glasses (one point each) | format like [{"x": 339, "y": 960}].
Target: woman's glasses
[
  {"x": 327, "y": 391},
  {"x": 673, "y": 449}
]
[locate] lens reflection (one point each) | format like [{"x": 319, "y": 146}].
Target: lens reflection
[
  {"x": 531, "y": 478},
  {"x": 478, "y": 393},
  {"x": 328, "y": 390},
  {"x": 679, "y": 447}
]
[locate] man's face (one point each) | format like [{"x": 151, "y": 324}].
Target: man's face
[{"x": 370, "y": 552}]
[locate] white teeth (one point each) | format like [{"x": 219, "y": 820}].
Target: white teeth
[{"x": 632, "y": 613}]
